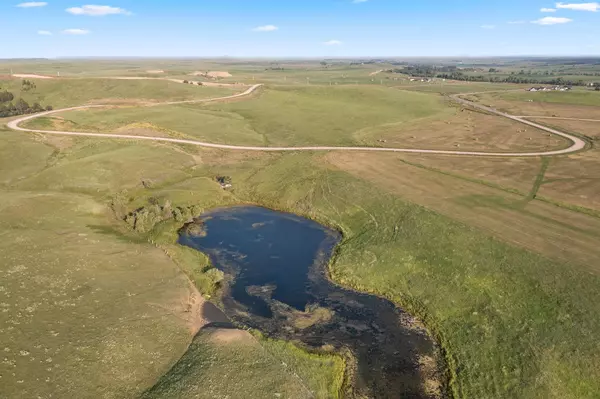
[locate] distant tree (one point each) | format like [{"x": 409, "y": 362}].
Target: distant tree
[
  {"x": 27, "y": 85},
  {"x": 185, "y": 81},
  {"x": 597, "y": 88},
  {"x": 49, "y": 108},
  {"x": 324, "y": 63},
  {"x": 37, "y": 107}
]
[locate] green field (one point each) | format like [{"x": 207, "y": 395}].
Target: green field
[
  {"x": 62, "y": 93},
  {"x": 497, "y": 257},
  {"x": 231, "y": 363},
  {"x": 278, "y": 116}
]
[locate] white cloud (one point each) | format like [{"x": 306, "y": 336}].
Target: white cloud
[
  {"x": 75, "y": 31},
  {"x": 265, "y": 28},
  {"x": 594, "y": 7},
  {"x": 332, "y": 43},
  {"x": 44, "y": 33},
  {"x": 551, "y": 21},
  {"x": 548, "y": 10},
  {"x": 359, "y": 1},
  {"x": 488, "y": 26},
  {"x": 97, "y": 11},
  {"x": 32, "y": 4},
  {"x": 516, "y": 22}
]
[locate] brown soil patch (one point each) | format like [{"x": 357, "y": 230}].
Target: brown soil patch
[
  {"x": 213, "y": 84},
  {"x": 197, "y": 312},
  {"x": 212, "y": 74},
  {"x": 227, "y": 336}
]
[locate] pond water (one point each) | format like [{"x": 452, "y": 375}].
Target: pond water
[{"x": 276, "y": 267}]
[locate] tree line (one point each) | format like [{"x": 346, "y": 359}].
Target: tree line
[
  {"x": 515, "y": 78},
  {"x": 454, "y": 73},
  {"x": 19, "y": 107}
]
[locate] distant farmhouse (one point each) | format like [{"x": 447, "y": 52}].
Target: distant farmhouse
[{"x": 553, "y": 88}]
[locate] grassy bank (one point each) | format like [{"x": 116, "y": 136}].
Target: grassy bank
[{"x": 223, "y": 363}]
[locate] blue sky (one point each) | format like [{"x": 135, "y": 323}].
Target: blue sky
[{"x": 298, "y": 28}]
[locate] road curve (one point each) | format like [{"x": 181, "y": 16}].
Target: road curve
[{"x": 577, "y": 143}]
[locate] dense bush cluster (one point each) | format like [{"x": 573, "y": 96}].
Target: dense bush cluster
[
  {"x": 144, "y": 219},
  {"x": 19, "y": 107}
]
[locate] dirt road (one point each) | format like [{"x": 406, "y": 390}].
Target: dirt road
[
  {"x": 577, "y": 143},
  {"x": 560, "y": 118}
]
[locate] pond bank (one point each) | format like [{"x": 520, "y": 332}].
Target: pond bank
[{"x": 278, "y": 283}]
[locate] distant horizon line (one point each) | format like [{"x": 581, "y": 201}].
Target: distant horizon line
[{"x": 302, "y": 57}]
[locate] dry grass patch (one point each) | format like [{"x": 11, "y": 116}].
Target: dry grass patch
[
  {"x": 535, "y": 225},
  {"x": 584, "y": 128},
  {"x": 465, "y": 129},
  {"x": 537, "y": 108},
  {"x": 84, "y": 312},
  {"x": 516, "y": 174},
  {"x": 574, "y": 180}
]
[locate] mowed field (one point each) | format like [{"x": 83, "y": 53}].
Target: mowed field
[
  {"x": 501, "y": 268},
  {"x": 571, "y": 180}
]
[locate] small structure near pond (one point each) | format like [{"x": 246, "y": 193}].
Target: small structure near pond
[{"x": 224, "y": 181}]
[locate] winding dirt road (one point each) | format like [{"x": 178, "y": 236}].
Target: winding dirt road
[{"x": 577, "y": 143}]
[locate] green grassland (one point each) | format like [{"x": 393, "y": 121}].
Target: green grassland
[
  {"x": 235, "y": 365},
  {"x": 278, "y": 116},
  {"x": 92, "y": 308},
  {"x": 61, "y": 93}
]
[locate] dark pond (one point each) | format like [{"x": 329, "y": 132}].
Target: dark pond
[{"x": 277, "y": 283}]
